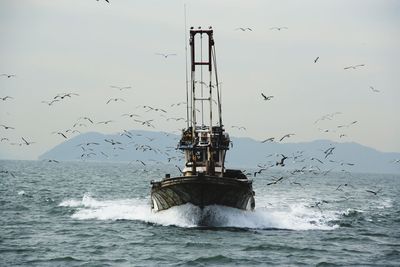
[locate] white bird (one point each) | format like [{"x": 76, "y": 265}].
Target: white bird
[{"x": 165, "y": 55}]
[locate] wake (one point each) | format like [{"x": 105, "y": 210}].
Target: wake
[{"x": 292, "y": 217}]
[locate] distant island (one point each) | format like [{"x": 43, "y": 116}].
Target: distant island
[{"x": 151, "y": 147}]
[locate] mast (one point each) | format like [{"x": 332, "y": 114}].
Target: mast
[{"x": 203, "y": 143}]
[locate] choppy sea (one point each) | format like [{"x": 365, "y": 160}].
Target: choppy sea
[{"x": 98, "y": 214}]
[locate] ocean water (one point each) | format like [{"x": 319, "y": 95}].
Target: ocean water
[{"x": 96, "y": 214}]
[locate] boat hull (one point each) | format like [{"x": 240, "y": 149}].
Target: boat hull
[{"x": 202, "y": 190}]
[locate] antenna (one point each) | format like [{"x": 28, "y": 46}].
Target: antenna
[{"x": 186, "y": 74}]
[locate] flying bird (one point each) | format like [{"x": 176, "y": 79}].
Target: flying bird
[
  {"x": 6, "y": 97},
  {"x": 115, "y": 100},
  {"x": 278, "y": 28},
  {"x": 8, "y": 75},
  {"x": 267, "y": 97},
  {"x": 26, "y": 142},
  {"x": 374, "y": 90},
  {"x": 121, "y": 88},
  {"x": 7, "y": 127},
  {"x": 286, "y": 135},
  {"x": 271, "y": 139},
  {"x": 374, "y": 192},
  {"x": 60, "y": 133},
  {"x": 354, "y": 66},
  {"x": 282, "y": 161},
  {"x": 50, "y": 102},
  {"x": 86, "y": 118},
  {"x": 165, "y": 55},
  {"x": 244, "y": 29},
  {"x": 316, "y": 59},
  {"x": 104, "y": 122}
]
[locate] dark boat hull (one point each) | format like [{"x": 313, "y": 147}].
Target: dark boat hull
[{"x": 202, "y": 190}]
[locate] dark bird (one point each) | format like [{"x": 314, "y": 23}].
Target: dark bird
[
  {"x": 271, "y": 139},
  {"x": 112, "y": 142},
  {"x": 62, "y": 134},
  {"x": 342, "y": 135},
  {"x": 121, "y": 87},
  {"x": 8, "y": 75},
  {"x": 244, "y": 29},
  {"x": 259, "y": 171},
  {"x": 130, "y": 115},
  {"x": 115, "y": 100},
  {"x": 374, "y": 90},
  {"x": 52, "y": 160},
  {"x": 165, "y": 55},
  {"x": 278, "y": 28},
  {"x": 7, "y": 127},
  {"x": 282, "y": 161},
  {"x": 316, "y": 59},
  {"x": 104, "y": 122},
  {"x": 267, "y": 97},
  {"x": 317, "y": 160},
  {"x": 6, "y": 97},
  {"x": 64, "y": 95},
  {"x": 50, "y": 102},
  {"x": 329, "y": 151},
  {"x": 26, "y": 142},
  {"x": 374, "y": 192},
  {"x": 286, "y": 135},
  {"x": 276, "y": 180},
  {"x": 87, "y": 118},
  {"x": 354, "y": 67}
]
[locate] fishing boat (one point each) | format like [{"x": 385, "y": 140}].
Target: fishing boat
[{"x": 204, "y": 180}]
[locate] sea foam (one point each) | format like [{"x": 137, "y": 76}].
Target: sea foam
[{"x": 293, "y": 217}]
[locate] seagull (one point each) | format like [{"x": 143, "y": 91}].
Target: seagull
[
  {"x": 278, "y": 28},
  {"x": 374, "y": 192},
  {"x": 374, "y": 90},
  {"x": 329, "y": 151},
  {"x": 26, "y": 142},
  {"x": 276, "y": 180},
  {"x": 244, "y": 29},
  {"x": 50, "y": 102},
  {"x": 112, "y": 142},
  {"x": 104, "y": 122},
  {"x": 52, "y": 160},
  {"x": 281, "y": 163},
  {"x": 6, "y": 97},
  {"x": 62, "y": 134},
  {"x": 316, "y": 59},
  {"x": 354, "y": 67},
  {"x": 86, "y": 118},
  {"x": 4, "y": 139},
  {"x": 130, "y": 115},
  {"x": 267, "y": 97},
  {"x": 121, "y": 88},
  {"x": 239, "y": 127},
  {"x": 165, "y": 55},
  {"x": 104, "y": 0},
  {"x": 8, "y": 75},
  {"x": 317, "y": 160},
  {"x": 286, "y": 135},
  {"x": 115, "y": 100},
  {"x": 64, "y": 95},
  {"x": 7, "y": 127},
  {"x": 271, "y": 139}
]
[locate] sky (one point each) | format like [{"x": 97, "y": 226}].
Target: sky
[{"x": 86, "y": 46}]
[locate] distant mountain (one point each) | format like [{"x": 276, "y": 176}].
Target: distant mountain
[{"x": 160, "y": 147}]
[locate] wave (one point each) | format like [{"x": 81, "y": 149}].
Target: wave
[{"x": 293, "y": 217}]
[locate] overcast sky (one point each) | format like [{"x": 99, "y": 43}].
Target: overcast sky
[{"x": 86, "y": 46}]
